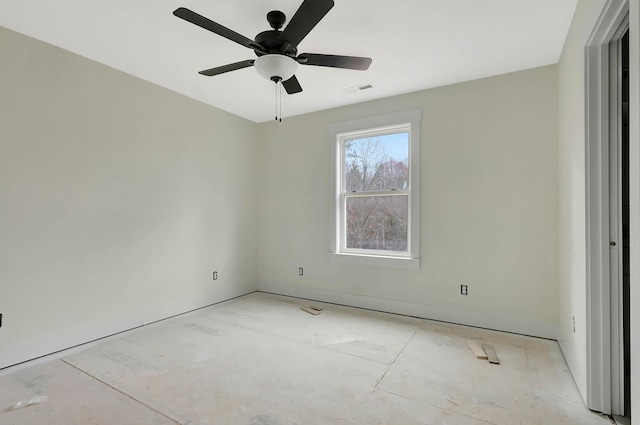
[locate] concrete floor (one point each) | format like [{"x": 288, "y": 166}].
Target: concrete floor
[{"x": 260, "y": 360}]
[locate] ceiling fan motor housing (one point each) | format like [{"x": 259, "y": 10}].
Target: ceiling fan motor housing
[{"x": 272, "y": 42}]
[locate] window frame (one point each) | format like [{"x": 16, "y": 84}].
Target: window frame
[
  {"x": 408, "y": 121},
  {"x": 344, "y": 195}
]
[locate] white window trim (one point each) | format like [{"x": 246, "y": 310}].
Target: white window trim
[{"x": 412, "y": 260}]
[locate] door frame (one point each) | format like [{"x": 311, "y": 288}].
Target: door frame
[
  {"x": 598, "y": 133},
  {"x": 616, "y": 251}
]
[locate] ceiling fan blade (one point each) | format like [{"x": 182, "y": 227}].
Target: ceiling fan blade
[
  {"x": 201, "y": 21},
  {"x": 292, "y": 85},
  {"x": 335, "y": 61},
  {"x": 306, "y": 17},
  {"x": 226, "y": 68}
]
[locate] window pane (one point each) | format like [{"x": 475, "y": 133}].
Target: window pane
[
  {"x": 377, "y": 222},
  {"x": 377, "y": 163}
]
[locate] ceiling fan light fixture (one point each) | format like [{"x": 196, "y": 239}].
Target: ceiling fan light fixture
[{"x": 276, "y": 67}]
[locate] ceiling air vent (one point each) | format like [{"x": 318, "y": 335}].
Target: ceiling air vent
[{"x": 358, "y": 88}]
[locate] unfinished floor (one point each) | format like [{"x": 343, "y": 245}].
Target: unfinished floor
[{"x": 260, "y": 360}]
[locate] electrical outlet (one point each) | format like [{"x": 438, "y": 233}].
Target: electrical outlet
[
  {"x": 215, "y": 275},
  {"x": 464, "y": 290},
  {"x": 300, "y": 271}
]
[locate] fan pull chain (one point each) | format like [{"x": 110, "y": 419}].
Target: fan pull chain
[
  {"x": 280, "y": 99},
  {"x": 278, "y": 82}
]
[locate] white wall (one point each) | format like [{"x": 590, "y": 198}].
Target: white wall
[
  {"x": 572, "y": 190},
  {"x": 117, "y": 201},
  {"x": 489, "y": 207}
]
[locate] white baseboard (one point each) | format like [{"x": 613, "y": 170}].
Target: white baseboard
[
  {"x": 456, "y": 315},
  {"x": 48, "y": 344}
]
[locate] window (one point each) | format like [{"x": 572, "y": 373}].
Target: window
[
  {"x": 376, "y": 209},
  {"x": 374, "y": 198}
]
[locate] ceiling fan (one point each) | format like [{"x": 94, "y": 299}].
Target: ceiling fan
[{"x": 277, "y": 50}]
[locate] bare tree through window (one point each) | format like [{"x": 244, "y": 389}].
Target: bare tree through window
[{"x": 376, "y": 174}]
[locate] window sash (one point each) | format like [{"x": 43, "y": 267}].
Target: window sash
[
  {"x": 371, "y": 133},
  {"x": 366, "y": 251}
]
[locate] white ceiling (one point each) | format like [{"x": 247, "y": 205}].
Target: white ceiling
[{"x": 415, "y": 44}]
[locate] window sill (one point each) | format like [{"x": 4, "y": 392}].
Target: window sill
[{"x": 375, "y": 260}]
